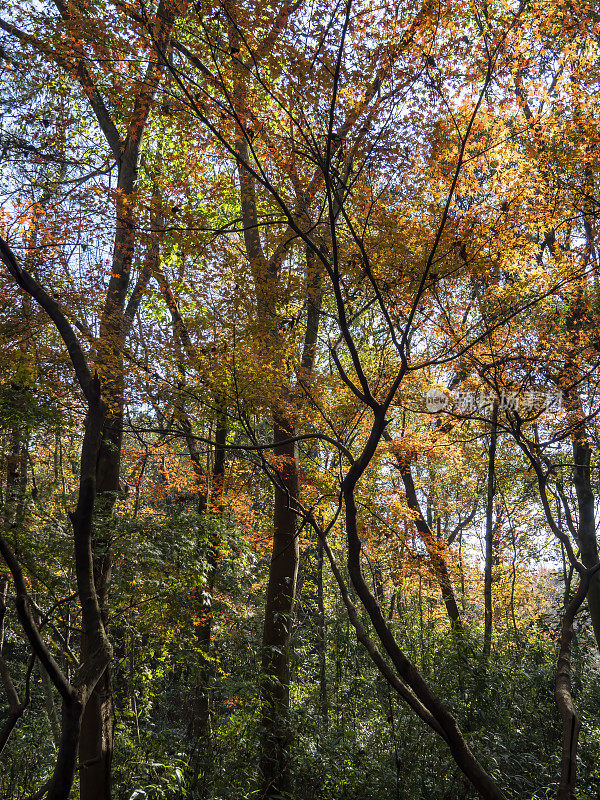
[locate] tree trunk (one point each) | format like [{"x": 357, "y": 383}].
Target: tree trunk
[
  {"x": 92, "y": 668},
  {"x": 573, "y": 377},
  {"x": 564, "y": 699},
  {"x": 321, "y": 637},
  {"x": 96, "y": 729},
  {"x": 434, "y": 547},
  {"x": 586, "y": 527},
  {"x": 97, "y": 736},
  {"x": 96, "y": 740},
  {"x": 64, "y": 771},
  {"x": 279, "y": 604},
  {"x": 201, "y": 760},
  {"x": 429, "y": 705},
  {"x": 489, "y": 535},
  {"x": 201, "y": 728},
  {"x": 49, "y": 705},
  {"x": 92, "y": 574},
  {"x": 16, "y": 708},
  {"x": 16, "y": 482}
]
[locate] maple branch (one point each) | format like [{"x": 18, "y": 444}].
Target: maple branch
[
  {"x": 164, "y": 21},
  {"x": 160, "y": 34},
  {"x": 33, "y": 42},
  {"x": 367, "y": 399},
  {"x": 31, "y": 286},
  {"x": 438, "y": 563},
  {"x": 15, "y": 706},
  {"x": 444, "y": 218},
  {"x": 175, "y": 43},
  {"x": 38, "y": 645},
  {"x": 521, "y": 96},
  {"x": 314, "y": 300},
  {"x": 136, "y": 296},
  {"x": 462, "y": 524},
  {"x": 337, "y": 137},
  {"x": 44, "y": 620},
  {"x": 562, "y": 691},
  {"x": 404, "y": 691},
  {"x": 279, "y": 24},
  {"x": 179, "y": 325},
  {"x": 306, "y": 437},
  {"x": 91, "y": 91},
  {"x": 542, "y": 480},
  {"x": 79, "y": 71}
]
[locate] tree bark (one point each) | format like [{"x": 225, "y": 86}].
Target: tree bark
[
  {"x": 16, "y": 708},
  {"x": 321, "y": 637},
  {"x": 459, "y": 748},
  {"x": 279, "y": 604},
  {"x": 96, "y": 747},
  {"x": 406, "y": 680},
  {"x": 49, "y": 705},
  {"x": 582, "y": 457},
  {"x": 586, "y": 524},
  {"x": 434, "y": 547},
  {"x": 74, "y": 694},
  {"x": 64, "y": 771},
  {"x": 564, "y": 699},
  {"x": 201, "y": 728},
  {"x": 489, "y": 536},
  {"x": 96, "y": 728}
]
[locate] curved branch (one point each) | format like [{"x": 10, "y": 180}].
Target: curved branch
[{"x": 31, "y": 286}]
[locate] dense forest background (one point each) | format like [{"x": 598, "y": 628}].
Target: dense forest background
[{"x": 299, "y": 364}]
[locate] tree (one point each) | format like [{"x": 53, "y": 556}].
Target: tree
[{"x": 71, "y": 30}]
